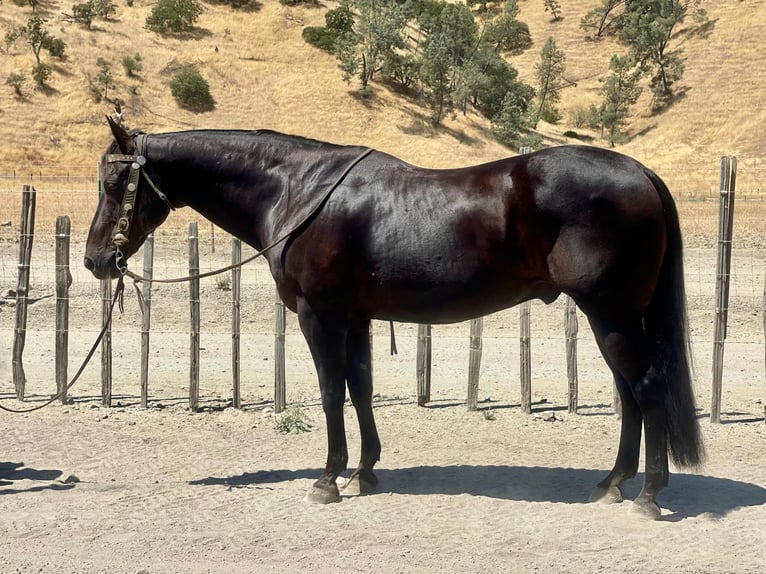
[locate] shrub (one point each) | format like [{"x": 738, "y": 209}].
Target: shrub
[
  {"x": 104, "y": 8},
  {"x": 16, "y": 81},
  {"x": 320, "y": 37},
  {"x": 294, "y": 421},
  {"x": 173, "y": 16},
  {"x": 132, "y": 65},
  {"x": 84, "y": 13},
  {"x": 191, "y": 90},
  {"x": 56, "y": 47},
  {"x": 40, "y": 73},
  {"x": 11, "y": 35}
]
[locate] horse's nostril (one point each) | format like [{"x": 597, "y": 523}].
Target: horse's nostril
[{"x": 89, "y": 265}]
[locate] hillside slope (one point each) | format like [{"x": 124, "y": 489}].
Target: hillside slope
[{"x": 263, "y": 75}]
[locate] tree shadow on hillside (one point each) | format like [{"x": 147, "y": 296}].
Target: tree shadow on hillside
[
  {"x": 688, "y": 495},
  {"x": 248, "y": 6},
  {"x": 421, "y": 125},
  {"x": 702, "y": 31}
]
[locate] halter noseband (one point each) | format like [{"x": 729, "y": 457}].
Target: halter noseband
[{"x": 122, "y": 227}]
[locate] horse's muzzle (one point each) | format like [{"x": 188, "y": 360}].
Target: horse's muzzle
[{"x": 106, "y": 268}]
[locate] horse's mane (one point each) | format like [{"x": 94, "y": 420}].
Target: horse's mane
[{"x": 292, "y": 139}]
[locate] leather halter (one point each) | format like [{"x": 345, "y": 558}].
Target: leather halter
[{"x": 121, "y": 230}]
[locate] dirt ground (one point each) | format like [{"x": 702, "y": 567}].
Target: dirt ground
[{"x": 90, "y": 489}]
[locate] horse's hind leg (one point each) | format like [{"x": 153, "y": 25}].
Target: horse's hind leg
[
  {"x": 627, "y": 351},
  {"x": 626, "y": 464},
  {"x": 359, "y": 379},
  {"x": 327, "y": 344}
]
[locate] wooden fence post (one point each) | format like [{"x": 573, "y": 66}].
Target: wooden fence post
[
  {"x": 194, "y": 344},
  {"x": 63, "y": 281},
  {"x": 106, "y": 343},
  {"x": 423, "y": 364},
  {"x": 280, "y": 390},
  {"x": 236, "y": 280},
  {"x": 723, "y": 277},
  {"x": 525, "y": 310},
  {"x": 146, "y": 318},
  {"x": 474, "y": 363},
  {"x": 570, "y": 335},
  {"x": 26, "y": 236}
]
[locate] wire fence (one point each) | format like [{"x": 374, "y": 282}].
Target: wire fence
[{"x": 75, "y": 195}]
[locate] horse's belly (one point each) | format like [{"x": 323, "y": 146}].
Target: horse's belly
[{"x": 454, "y": 302}]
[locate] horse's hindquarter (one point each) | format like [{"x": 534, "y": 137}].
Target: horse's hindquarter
[
  {"x": 611, "y": 241},
  {"x": 418, "y": 245}
]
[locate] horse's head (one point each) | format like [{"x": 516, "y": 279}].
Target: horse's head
[{"x": 130, "y": 205}]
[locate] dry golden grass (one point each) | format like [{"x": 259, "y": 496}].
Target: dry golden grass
[{"x": 263, "y": 75}]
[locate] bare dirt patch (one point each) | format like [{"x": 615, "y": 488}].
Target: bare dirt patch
[{"x": 86, "y": 489}]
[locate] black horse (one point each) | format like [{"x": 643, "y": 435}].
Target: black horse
[{"x": 362, "y": 235}]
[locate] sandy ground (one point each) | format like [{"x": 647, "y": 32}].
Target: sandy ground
[{"x": 86, "y": 489}]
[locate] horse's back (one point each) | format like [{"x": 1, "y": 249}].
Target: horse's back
[{"x": 415, "y": 244}]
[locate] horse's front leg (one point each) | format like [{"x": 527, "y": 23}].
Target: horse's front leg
[
  {"x": 328, "y": 349},
  {"x": 359, "y": 379}
]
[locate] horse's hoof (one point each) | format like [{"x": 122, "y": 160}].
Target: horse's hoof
[
  {"x": 609, "y": 495},
  {"x": 360, "y": 484},
  {"x": 646, "y": 509},
  {"x": 317, "y": 495}
]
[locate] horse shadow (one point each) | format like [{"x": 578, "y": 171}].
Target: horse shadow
[
  {"x": 688, "y": 495},
  {"x": 15, "y": 475}
]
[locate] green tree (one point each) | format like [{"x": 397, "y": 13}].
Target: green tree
[
  {"x": 647, "y": 27},
  {"x": 36, "y": 35},
  {"x": 103, "y": 78},
  {"x": 603, "y": 18},
  {"x": 484, "y": 79},
  {"x": 191, "y": 90},
  {"x": 377, "y": 33},
  {"x": 451, "y": 41},
  {"x": 620, "y": 91},
  {"x": 506, "y": 32},
  {"x": 509, "y": 124},
  {"x": 554, "y": 7},
  {"x": 549, "y": 72},
  {"x": 174, "y": 16}
]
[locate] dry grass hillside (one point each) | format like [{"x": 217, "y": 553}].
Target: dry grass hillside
[{"x": 263, "y": 75}]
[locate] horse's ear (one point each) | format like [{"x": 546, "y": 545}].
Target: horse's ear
[{"x": 123, "y": 138}]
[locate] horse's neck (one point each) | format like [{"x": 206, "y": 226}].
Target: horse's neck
[
  {"x": 235, "y": 195},
  {"x": 253, "y": 186}
]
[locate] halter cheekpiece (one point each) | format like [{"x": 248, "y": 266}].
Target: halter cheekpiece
[{"x": 122, "y": 227}]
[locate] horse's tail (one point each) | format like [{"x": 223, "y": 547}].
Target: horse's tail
[{"x": 667, "y": 328}]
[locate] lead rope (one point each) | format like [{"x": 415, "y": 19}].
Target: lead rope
[{"x": 118, "y": 292}]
